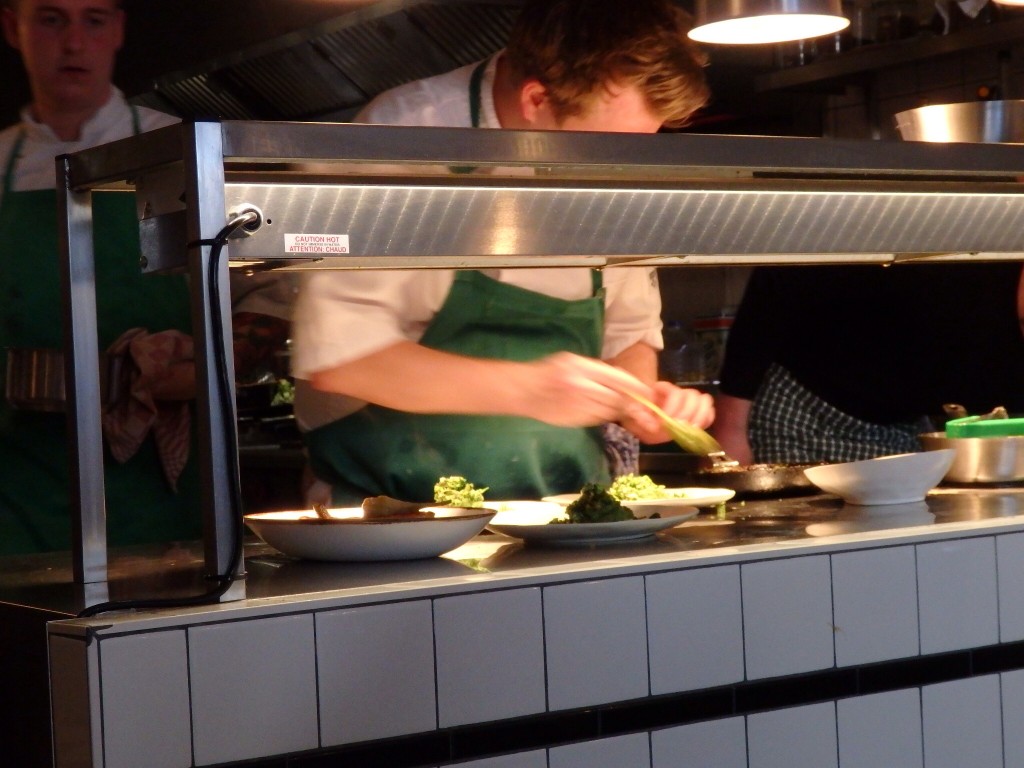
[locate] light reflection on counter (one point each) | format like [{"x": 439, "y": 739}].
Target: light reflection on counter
[{"x": 45, "y": 580}]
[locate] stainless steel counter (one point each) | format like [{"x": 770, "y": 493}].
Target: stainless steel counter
[
  {"x": 45, "y": 581},
  {"x": 771, "y": 537}
]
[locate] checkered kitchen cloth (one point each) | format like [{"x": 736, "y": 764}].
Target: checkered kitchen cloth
[
  {"x": 790, "y": 424},
  {"x": 128, "y": 421}
]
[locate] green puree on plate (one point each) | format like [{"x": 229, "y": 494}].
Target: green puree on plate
[{"x": 596, "y": 505}]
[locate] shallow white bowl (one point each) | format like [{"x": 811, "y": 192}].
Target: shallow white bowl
[
  {"x": 348, "y": 537},
  {"x": 898, "y": 479}
]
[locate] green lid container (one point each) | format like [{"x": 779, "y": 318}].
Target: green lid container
[{"x": 972, "y": 426}]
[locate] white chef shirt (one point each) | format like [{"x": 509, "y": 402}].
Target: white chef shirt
[
  {"x": 344, "y": 315},
  {"x": 34, "y": 167}
]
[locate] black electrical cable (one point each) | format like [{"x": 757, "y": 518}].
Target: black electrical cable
[{"x": 226, "y": 579}]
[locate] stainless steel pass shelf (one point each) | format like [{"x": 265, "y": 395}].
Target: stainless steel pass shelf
[
  {"x": 384, "y": 197},
  {"x": 358, "y": 196}
]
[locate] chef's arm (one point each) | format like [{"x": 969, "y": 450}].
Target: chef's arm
[
  {"x": 690, "y": 405},
  {"x": 639, "y": 359},
  {"x": 562, "y": 389},
  {"x": 732, "y": 415}
]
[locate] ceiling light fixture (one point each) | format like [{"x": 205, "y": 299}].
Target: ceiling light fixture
[{"x": 750, "y": 22}]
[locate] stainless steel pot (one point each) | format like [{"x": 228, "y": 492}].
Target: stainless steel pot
[
  {"x": 980, "y": 459},
  {"x": 35, "y": 379},
  {"x": 971, "y": 122}
]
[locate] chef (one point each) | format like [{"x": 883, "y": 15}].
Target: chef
[
  {"x": 503, "y": 376},
  {"x": 68, "y": 49}
]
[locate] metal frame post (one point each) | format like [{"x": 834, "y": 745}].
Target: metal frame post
[
  {"x": 204, "y": 190},
  {"x": 82, "y": 382}
]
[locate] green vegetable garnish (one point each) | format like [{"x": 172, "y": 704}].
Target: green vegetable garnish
[
  {"x": 635, "y": 487},
  {"x": 595, "y": 505},
  {"x": 456, "y": 491},
  {"x": 285, "y": 394}
]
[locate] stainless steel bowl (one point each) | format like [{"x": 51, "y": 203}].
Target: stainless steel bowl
[
  {"x": 35, "y": 379},
  {"x": 980, "y": 459},
  {"x": 972, "y": 122}
]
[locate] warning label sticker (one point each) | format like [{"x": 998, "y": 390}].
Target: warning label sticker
[{"x": 315, "y": 243}]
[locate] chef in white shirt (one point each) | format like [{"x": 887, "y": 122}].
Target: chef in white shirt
[{"x": 503, "y": 376}]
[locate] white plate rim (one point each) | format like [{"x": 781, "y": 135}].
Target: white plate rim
[
  {"x": 306, "y": 536},
  {"x": 708, "y": 497},
  {"x": 594, "y": 533}
]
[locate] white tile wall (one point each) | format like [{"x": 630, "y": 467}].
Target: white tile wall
[
  {"x": 875, "y": 600},
  {"x": 537, "y": 758},
  {"x": 253, "y": 688},
  {"x": 272, "y": 686},
  {"x": 1010, "y": 560},
  {"x": 596, "y": 638},
  {"x": 957, "y": 594},
  {"x": 367, "y": 660},
  {"x": 881, "y": 730},
  {"x": 629, "y": 751},
  {"x": 74, "y": 680},
  {"x": 939, "y": 80},
  {"x": 787, "y": 616},
  {"x": 1012, "y": 688},
  {"x": 695, "y": 629},
  {"x": 941, "y": 72},
  {"x": 145, "y": 701},
  {"x": 490, "y": 656},
  {"x": 711, "y": 744},
  {"x": 962, "y": 724},
  {"x": 798, "y": 736}
]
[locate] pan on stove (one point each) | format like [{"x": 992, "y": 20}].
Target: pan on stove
[
  {"x": 748, "y": 481},
  {"x": 758, "y": 479}
]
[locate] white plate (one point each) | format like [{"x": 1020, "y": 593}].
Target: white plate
[
  {"x": 349, "y": 537},
  {"x": 687, "y": 497},
  {"x": 530, "y": 521}
]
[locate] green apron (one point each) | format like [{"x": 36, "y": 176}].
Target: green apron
[
  {"x": 34, "y": 458},
  {"x": 382, "y": 451}
]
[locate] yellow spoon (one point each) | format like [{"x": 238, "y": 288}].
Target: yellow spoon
[{"x": 686, "y": 436}]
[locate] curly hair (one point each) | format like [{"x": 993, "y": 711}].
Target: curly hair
[{"x": 576, "y": 47}]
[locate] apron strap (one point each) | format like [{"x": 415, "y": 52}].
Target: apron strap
[
  {"x": 475, "y": 100},
  {"x": 11, "y": 160}
]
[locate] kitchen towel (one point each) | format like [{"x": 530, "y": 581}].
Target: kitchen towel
[{"x": 148, "y": 359}]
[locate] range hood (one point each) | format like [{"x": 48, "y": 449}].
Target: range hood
[
  {"x": 297, "y": 59},
  {"x": 324, "y": 59}
]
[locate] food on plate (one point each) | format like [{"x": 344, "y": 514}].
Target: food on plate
[
  {"x": 633, "y": 487},
  {"x": 595, "y": 505},
  {"x": 458, "y": 492},
  {"x": 377, "y": 507}
]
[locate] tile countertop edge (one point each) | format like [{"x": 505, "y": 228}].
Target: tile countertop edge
[{"x": 113, "y": 624}]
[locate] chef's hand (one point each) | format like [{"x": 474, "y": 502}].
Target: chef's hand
[
  {"x": 569, "y": 390},
  {"x": 689, "y": 405},
  {"x": 732, "y": 420}
]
